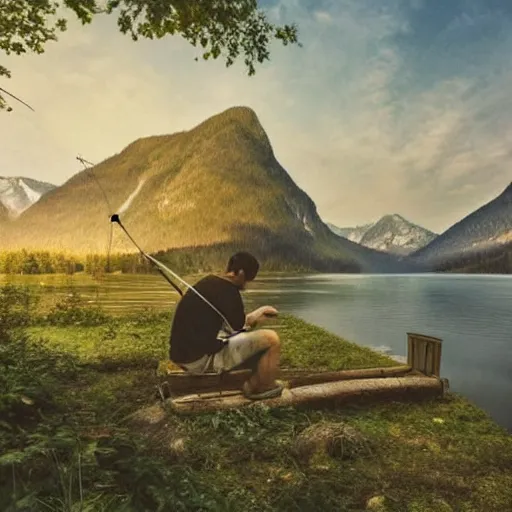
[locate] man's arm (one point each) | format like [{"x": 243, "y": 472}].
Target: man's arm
[{"x": 259, "y": 315}]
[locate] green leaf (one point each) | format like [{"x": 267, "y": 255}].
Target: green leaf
[
  {"x": 13, "y": 457},
  {"x": 236, "y": 27}
]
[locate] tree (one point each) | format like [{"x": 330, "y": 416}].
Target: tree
[{"x": 222, "y": 28}]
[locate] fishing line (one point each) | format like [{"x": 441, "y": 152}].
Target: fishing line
[
  {"x": 88, "y": 167},
  {"x": 163, "y": 270}
]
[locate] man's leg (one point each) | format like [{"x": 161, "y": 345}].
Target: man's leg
[
  {"x": 268, "y": 366},
  {"x": 244, "y": 346}
]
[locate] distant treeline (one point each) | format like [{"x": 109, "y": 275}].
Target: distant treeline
[
  {"x": 495, "y": 261},
  {"x": 47, "y": 262},
  {"x": 39, "y": 262},
  {"x": 185, "y": 260}
]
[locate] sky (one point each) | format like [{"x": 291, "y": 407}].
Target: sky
[{"x": 403, "y": 106}]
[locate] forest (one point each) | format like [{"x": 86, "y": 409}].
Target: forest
[
  {"x": 197, "y": 259},
  {"x": 494, "y": 261}
]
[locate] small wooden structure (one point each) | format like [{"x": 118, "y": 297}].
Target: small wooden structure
[
  {"x": 419, "y": 379},
  {"x": 424, "y": 354}
]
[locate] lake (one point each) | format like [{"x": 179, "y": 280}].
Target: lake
[{"x": 472, "y": 314}]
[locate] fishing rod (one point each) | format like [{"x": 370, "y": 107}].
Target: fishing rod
[
  {"x": 162, "y": 269},
  {"x": 88, "y": 167},
  {"x": 115, "y": 218}
]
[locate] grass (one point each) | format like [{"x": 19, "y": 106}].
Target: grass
[
  {"x": 146, "y": 338},
  {"x": 81, "y": 450}
]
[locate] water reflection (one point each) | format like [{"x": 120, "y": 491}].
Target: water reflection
[{"x": 470, "y": 313}]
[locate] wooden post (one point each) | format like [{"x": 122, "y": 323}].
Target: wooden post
[{"x": 424, "y": 354}]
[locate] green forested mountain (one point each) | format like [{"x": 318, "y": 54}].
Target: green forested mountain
[
  {"x": 485, "y": 231},
  {"x": 210, "y": 190},
  {"x": 496, "y": 260}
]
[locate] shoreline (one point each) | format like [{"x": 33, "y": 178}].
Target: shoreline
[{"x": 434, "y": 455}]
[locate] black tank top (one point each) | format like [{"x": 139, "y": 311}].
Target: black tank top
[{"x": 195, "y": 324}]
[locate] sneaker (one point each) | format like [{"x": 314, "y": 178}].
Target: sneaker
[{"x": 269, "y": 393}]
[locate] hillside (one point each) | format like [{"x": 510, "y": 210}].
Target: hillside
[
  {"x": 497, "y": 260},
  {"x": 4, "y": 213},
  {"x": 217, "y": 186},
  {"x": 18, "y": 193},
  {"x": 480, "y": 232},
  {"x": 392, "y": 233}
]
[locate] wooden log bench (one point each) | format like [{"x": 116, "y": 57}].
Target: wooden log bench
[
  {"x": 423, "y": 360},
  {"x": 327, "y": 394}
]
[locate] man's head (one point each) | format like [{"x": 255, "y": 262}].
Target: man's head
[{"x": 242, "y": 268}]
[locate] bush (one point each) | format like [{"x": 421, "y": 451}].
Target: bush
[
  {"x": 148, "y": 316},
  {"x": 73, "y": 311},
  {"x": 17, "y": 306},
  {"x": 39, "y": 448}
]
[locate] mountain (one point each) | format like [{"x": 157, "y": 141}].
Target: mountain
[
  {"x": 352, "y": 234},
  {"x": 392, "y": 233},
  {"x": 18, "y": 193},
  {"x": 485, "y": 230},
  {"x": 215, "y": 188}
]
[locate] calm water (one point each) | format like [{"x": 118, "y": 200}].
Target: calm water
[{"x": 472, "y": 314}]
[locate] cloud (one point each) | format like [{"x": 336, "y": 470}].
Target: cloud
[
  {"x": 371, "y": 116},
  {"x": 323, "y": 17}
]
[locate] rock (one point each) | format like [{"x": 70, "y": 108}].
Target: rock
[
  {"x": 178, "y": 447},
  {"x": 336, "y": 440},
  {"x": 149, "y": 415},
  {"x": 160, "y": 431},
  {"x": 376, "y": 504},
  {"x": 442, "y": 506}
]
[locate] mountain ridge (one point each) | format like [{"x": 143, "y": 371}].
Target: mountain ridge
[
  {"x": 392, "y": 233},
  {"x": 486, "y": 228},
  {"x": 353, "y": 234},
  {"x": 18, "y": 193},
  {"x": 218, "y": 184}
]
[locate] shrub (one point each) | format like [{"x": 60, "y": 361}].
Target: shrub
[
  {"x": 73, "y": 311},
  {"x": 17, "y": 306}
]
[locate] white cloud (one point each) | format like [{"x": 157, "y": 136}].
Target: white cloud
[
  {"x": 323, "y": 16},
  {"x": 338, "y": 125}
]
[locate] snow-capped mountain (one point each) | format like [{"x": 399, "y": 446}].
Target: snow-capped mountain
[
  {"x": 18, "y": 193},
  {"x": 397, "y": 235},
  {"x": 486, "y": 229},
  {"x": 392, "y": 233},
  {"x": 352, "y": 234}
]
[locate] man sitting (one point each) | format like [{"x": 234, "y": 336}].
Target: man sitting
[{"x": 197, "y": 342}]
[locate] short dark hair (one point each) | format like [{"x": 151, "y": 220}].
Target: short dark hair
[{"x": 246, "y": 262}]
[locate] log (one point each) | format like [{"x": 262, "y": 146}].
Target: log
[
  {"x": 367, "y": 373},
  {"x": 319, "y": 395},
  {"x": 180, "y": 382}
]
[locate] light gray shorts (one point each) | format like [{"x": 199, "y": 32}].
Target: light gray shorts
[{"x": 237, "y": 350}]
